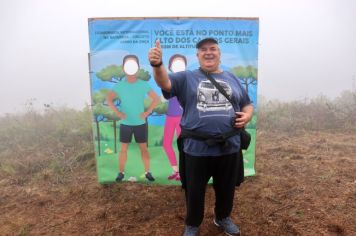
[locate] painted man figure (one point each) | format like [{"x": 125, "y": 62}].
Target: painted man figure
[{"x": 132, "y": 92}]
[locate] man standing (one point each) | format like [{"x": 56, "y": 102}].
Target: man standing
[
  {"x": 207, "y": 113},
  {"x": 132, "y": 93}
]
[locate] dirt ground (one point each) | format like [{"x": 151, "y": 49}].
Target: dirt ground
[{"x": 305, "y": 185}]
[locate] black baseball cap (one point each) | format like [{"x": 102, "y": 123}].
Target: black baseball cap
[{"x": 206, "y": 40}]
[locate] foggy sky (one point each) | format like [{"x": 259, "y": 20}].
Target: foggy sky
[{"x": 306, "y": 48}]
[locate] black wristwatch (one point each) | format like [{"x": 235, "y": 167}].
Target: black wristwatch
[{"x": 156, "y": 65}]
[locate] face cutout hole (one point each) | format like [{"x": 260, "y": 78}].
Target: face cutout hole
[
  {"x": 178, "y": 65},
  {"x": 130, "y": 66}
]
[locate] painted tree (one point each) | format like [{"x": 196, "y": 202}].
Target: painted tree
[
  {"x": 102, "y": 112},
  {"x": 247, "y": 75},
  {"x": 111, "y": 73},
  {"x": 159, "y": 110},
  {"x": 143, "y": 75}
]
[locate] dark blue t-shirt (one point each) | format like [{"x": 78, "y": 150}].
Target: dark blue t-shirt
[{"x": 206, "y": 110}]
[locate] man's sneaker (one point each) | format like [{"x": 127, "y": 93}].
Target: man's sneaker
[
  {"x": 120, "y": 177},
  {"x": 149, "y": 176},
  {"x": 228, "y": 226},
  {"x": 190, "y": 230},
  {"x": 175, "y": 175}
]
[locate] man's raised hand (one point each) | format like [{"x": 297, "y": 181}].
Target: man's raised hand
[{"x": 155, "y": 54}]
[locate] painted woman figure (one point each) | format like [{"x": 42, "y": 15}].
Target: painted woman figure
[{"x": 174, "y": 113}]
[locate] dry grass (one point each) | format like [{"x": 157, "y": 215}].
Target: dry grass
[
  {"x": 318, "y": 114},
  {"x": 48, "y": 145},
  {"x": 305, "y": 182}
]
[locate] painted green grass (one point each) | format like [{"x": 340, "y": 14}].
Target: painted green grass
[
  {"x": 107, "y": 162},
  {"x": 160, "y": 166}
]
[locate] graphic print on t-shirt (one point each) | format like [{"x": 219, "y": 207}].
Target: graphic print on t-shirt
[{"x": 210, "y": 102}]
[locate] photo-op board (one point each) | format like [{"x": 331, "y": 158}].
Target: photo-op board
[{"x": 121, "y": 79}]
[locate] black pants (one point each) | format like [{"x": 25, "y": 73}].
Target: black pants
[{"x": 198, "y": 171}]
